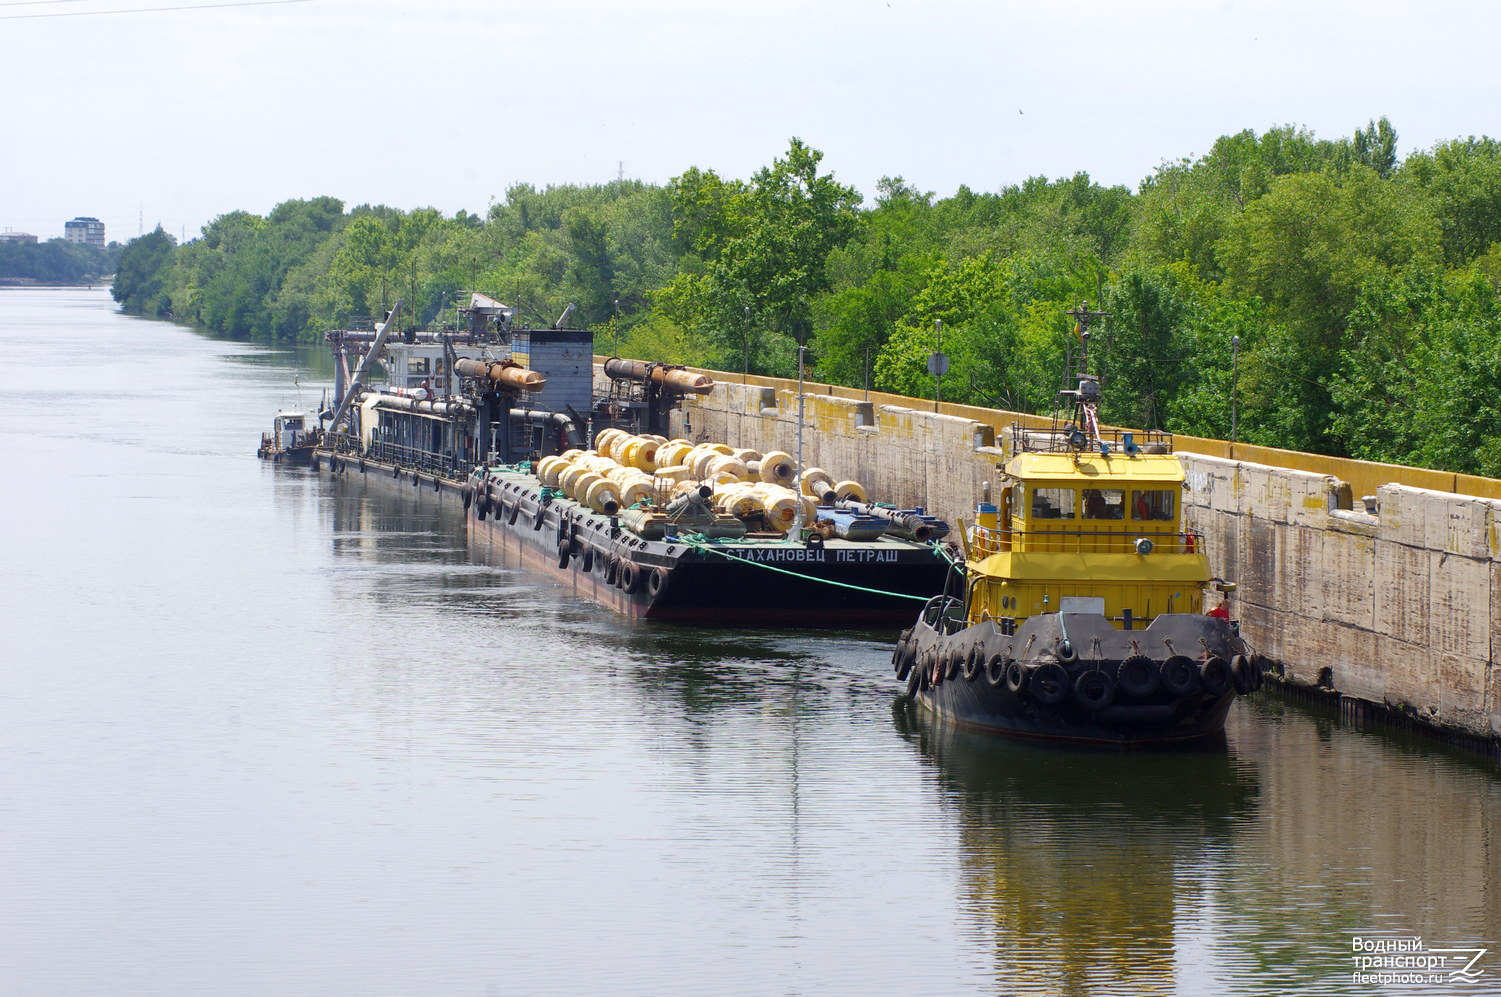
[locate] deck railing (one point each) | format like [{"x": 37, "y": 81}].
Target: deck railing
[
  {"x": 411, "y": 458},
  {"x": 984, "y": 540}
]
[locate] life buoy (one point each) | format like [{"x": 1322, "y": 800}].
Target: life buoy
[
  {"x": 1215, "y": 676},
  {"x": 1049, "y": 683},
  {"x": 1138, "y": 676},
  {"x": 1242, "y": 675},
  {"x": 1016, "y": 678},
  {"x": 975, "y": 663},
  {"x": 1066, "y": 653},
  {"x": 656, "y": 581},
  {"x": 1094, "y": 689},
  {"x": 1179, "y": 675},
  {"x": 628, "y": 578},
  {"x": 1190, "y": 544}
]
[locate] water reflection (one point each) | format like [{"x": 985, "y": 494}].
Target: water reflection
[{"x": 1076, "y": 862}]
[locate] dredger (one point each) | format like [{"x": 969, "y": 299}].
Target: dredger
[{"x": 570, "y": 465}]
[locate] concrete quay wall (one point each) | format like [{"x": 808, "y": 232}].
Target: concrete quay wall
[{"x": 1398, "y": 608}]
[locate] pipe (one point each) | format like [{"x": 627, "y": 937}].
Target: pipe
[
  {"x": 676, "y": 378},
  {"x": 575, "y": 438},
  {"x": 503, "y": 372},
  {"x": 451, "y": 406},
  {"x": 359, "y": 373},
  {"x": 904, "y": 523}
]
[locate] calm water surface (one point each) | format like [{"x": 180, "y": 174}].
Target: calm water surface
[{"x": 266, "y": 734}]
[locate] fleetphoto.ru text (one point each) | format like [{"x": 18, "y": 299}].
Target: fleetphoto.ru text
[{"x": 1395, "y": 961}]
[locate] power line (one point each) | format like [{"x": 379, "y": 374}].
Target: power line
[{"x": 138, "y": 10}]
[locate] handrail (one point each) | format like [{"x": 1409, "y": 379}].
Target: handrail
[{"x": 994, "y": 541}]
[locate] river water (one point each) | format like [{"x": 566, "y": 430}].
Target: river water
[{"x": 265, "y": 734}]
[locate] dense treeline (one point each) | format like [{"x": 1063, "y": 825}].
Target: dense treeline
[
  {"x": 56, "y": 261},
  {"x": 1348, "y": 298}
]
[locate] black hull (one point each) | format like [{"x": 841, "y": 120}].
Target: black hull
[
  {"x": 843, "y": 584},
  {"x": 299, "y": 456},
  {"x": 1074, "y": 677}
]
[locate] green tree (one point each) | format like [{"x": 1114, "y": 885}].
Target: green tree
[{"x": 140, "y": 284}]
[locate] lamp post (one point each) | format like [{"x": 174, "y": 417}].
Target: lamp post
[
  {"x": 797, "y": 483},
  {"x": 938, "y": 364},
  {"x": 1234, "y": 386}
]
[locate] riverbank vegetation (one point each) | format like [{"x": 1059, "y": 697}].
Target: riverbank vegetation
[
  {"x": 56, "y": 262},
  {"x": 1346, "y": 298}
]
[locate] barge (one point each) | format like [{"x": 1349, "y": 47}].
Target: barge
[{"x": 586, "y": 486}]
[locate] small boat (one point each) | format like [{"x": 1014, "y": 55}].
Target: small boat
[
  {"x": 1082, "y": 608},
  {"x": 290, "y": 441}
]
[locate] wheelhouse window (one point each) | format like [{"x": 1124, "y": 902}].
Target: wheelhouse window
[
  {"x": 1152, "y": 504},
  {"x": 1053, "y": 503},
  {"x": 1104, "y": 503}
]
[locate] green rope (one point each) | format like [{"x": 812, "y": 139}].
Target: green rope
[{"x": 783, "y": 571}]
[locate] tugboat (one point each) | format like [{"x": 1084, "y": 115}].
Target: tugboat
[
  {"x": 1082, "y": 613},
  {"x": 290, "y": 441}
]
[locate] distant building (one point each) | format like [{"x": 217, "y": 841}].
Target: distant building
[
  {"x": 89, "y": 231},
  {"x": 9, "y": 236}
]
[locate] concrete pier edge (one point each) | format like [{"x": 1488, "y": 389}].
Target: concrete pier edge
[{"x": 1358, "y": 587}]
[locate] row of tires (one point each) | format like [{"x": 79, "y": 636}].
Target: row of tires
[
  {"x": 341, "y": 465},
  {"x": 623, "y": 574},
  {"x": 1094, "y": 687},
  {"x": 616, "y": 571}
]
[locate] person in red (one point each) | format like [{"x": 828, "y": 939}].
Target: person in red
[{"x": 1222, "y": 611}]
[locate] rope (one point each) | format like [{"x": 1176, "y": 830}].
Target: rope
[{"x": 692, "y": 541}]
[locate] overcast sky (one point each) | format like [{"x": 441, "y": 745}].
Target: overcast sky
[{"x": 143, "y": 116}]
